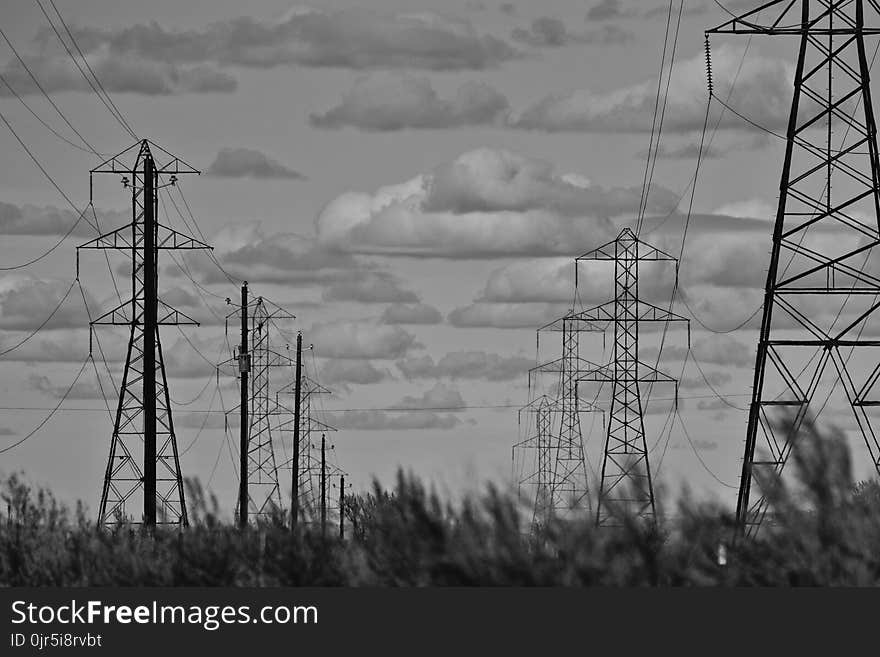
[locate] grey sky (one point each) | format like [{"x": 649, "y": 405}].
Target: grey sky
[{"x": 410, "y": 178}]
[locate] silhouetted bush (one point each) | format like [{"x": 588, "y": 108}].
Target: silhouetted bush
[{"x": 821, "y": 529}]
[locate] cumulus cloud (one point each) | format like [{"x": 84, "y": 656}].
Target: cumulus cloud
[
  {"x": 81, "y": 390},
  {"x": 486, "y": 203},
  {"x": 386, "y": 102},
  {"x": 416, "y": 313},
  {"x": 348, "y": 38},
  {"x": 551, "y": 280},
  {"x": 361, "y": 340},
  {"x": 118, "y": 72},
  {"x": 68, "y": 346},
  {"x": 763, "y": 93},
  {"x": 689, "y": 10},
  {"x": 548, "y": 32},
  {"x": 48, "y": 220},
  {"x": 505, "y": 315},
  {"x": 440, "y": 397},
  {"x": 370, "y": 287},
  {"x": 249, "y": 163},
  {"x": 344, "y": 372},
  {"x": 475, "y": 365},
  {"x": 607, "y": 10},
  {"x": 713, "y": 378},
  {"x": 724, "y": 350},
  {"x": 247, "y": 252},
  {"x": 26, "y": 302},
  {"x": 182, "y": 361},
  {"x": 384, "y": 421}
]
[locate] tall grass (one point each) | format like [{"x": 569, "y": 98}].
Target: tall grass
[{"x": 825, "y": 531}]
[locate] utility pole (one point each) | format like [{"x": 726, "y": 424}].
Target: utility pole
[
  {"x": 143, "y": 424},
  {"x": 259, "y": 491},
  {"x": 244, "y": 367},
  {"x": 294, "y": 505},
  {"x": 797, "y": 341},
  {"x": 342, "y": 507},
  {"x": 323, "y": 485}
]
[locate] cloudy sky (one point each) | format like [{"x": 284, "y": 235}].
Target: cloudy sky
[{"x": 412, "y": 179}]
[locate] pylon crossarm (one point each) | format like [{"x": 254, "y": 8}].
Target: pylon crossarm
[
  {"x": 121, "y": 315},
  {"x": 645, "y": 374},
  {"x": 168, "y": 238},
  {"x": 644, "y": 251},
  {"x": 562, "y": 365},
  {"x": 170, "y": 316},
  {"x": 117, "y": 164},
  {"x": 581, "y": 325},
  {"x": 119, "y": 239},
  {"x": 790, "y": 11}
]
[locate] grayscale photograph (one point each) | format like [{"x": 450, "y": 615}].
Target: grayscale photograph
[{"x": 393, "y": 294}]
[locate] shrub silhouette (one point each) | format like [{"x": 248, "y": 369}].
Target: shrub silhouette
[{"x": 825, "y": 531}]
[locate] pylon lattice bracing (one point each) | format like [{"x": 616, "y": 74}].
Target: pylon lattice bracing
[
  {"x": 309, "y": 465},
  {"x": 143, "y": 467},
  {"x": 625, "y": 483},
  {"x": 819, "y": 324}
]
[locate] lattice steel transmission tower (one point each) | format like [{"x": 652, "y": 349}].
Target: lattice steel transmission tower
[
  {"x": 308, "y": 465},
  {"x": 821, "y": 294},
  {"x": 258, "y": 408},
  {"x": 625, "y": 481},
  {"x": 563, "y": 485},
  {"x": 143, "y": 467},
  {"x": 541, "y": 440}
]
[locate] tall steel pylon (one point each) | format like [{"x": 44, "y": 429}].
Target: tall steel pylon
[
  {"x": 821, "y": 295},
  {"x": 308, "y": 466},
  {"x": 560, "y": 479},
  {"x": 258, "y": 407},
  {"x": 143, "y": 467},
  {"x": 625, "y": 484},
  {"x": 541, "y": 440}
]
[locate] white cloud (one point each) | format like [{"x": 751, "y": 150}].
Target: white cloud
[
  {"x": 486, "y": 203},
  {"x": 475, "y": 365},
  {"x": 26, "y": 302},
  {"x": 505, "y": 315},
  {"x": 418, "y": 313},
  {"x": 353, "y": 339},
  {"x": 763, "y": 93},
  {"x": 385, "y": 102},
  {"x": 249, "y": 163}
]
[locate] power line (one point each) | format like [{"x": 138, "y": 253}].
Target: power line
[
  {"x": 42, "y": 325},
  {"x": 43, "y": 91},
  {"x": 53, "y": 411},
  {"x": 108, "y": 102}
]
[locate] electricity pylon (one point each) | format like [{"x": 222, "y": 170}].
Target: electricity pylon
[
  {"x": 256, "y": 358},
  {"x": 542, "y": 441},
  {"x": 822, "y": 258},
  {"x": 306, "y": 464},
  {"x": 625, "y": 484},
  {"x": 143, "y": 467},
  {"x": 561, "y": 477}
]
